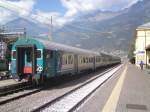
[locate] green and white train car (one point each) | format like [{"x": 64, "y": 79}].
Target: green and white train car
[{"x": 36, "y": 59}]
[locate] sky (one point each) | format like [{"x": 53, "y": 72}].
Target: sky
[{"x": 62, "y": 11}]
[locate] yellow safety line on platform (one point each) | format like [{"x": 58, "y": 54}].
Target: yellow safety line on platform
[{"x": 111, "y": 103}]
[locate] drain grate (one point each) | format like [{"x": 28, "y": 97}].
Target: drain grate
[{"x": 136, "y": 106}]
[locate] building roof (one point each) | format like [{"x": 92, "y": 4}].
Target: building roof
[
  {"x": 12, "y": 33},
  {"x": 144, "y": 26}
]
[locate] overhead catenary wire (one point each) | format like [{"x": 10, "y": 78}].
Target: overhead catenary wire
[
  {"x": 13, "y": 8},
  {"x": 81, "y": 12},
  {"x": 90, "y": 30}
]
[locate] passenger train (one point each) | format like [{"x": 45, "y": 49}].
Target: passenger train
[{"x": 36, "y": 59}]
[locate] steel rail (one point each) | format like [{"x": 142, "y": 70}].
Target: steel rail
[{"x": 48, "y": 104}]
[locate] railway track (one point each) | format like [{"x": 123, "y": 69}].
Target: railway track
[
  {"x": 14, "y": 88},
  {"x": 9, "y": 94},
  {"x": 74, "y": 98}
]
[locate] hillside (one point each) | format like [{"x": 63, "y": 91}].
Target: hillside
[
  {"x": 32, "y": 29},
  {"x": 106, "y": 31},
  {"x": 114, "y": 33}
]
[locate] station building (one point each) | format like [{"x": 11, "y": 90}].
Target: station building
[{"x": 142, "y": 45}]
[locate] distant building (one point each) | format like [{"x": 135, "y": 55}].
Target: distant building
[
  {"x": 3, "y": 48},
  {"x": 7, "y": 38},
  {"x": 142, "y": 44}
]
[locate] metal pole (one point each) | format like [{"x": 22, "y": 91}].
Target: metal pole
[
  {"x": 145, "y": 49},
  {"x": 51, "y": 28},
  {"x": 24, "y": 32}
]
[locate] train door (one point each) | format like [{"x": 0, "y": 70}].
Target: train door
[
  {"x": 94, "y": 62},
  {"x": 76, "y": 57},
  {"x": 25, "y": 61}
]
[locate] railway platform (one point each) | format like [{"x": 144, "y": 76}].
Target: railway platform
[
  {"x": 127, "y": 91},
  {"x": 135, "y": 92},
  {"x": 8, "y": 82}
]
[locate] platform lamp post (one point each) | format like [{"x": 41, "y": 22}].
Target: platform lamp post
[
  {"x": 50, "y": 30},
  {"x": 145, "y": 48}
]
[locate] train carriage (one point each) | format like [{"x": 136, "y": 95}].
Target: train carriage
[{"x": 36, "y": 59}]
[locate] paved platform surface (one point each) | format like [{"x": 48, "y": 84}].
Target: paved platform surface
[
  {"x": 8, "y": 82},
  {"x": 127, "y": 91},
  {"x": 135, "y": 93}
]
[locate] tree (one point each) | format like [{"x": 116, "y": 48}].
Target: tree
[{"x": 131, "y": 55}]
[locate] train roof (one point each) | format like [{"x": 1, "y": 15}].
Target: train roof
[
  {"x": 110, "y": 56},
  {"x": 62, "y": 47}
]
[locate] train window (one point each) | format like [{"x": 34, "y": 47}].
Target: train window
[
  {"x": 14, "y": 54},
  {"x": 90, "y": 60},
  {"x": 69, "y": 59},
  {"x": 51, "y": 54},
  {"x": 83, "y": 59},
  {"x": 38, "y": 53},
  {"x": 86, "y": 60},
  {"x": 66, "y": 59},
  {"x": 103, "y": 60},
  {"x": 96, "y": 59},
  {"x": 62, "y": 60},
  {"x": 29, "y": 56},
  {"x": 80, "y": 59}
]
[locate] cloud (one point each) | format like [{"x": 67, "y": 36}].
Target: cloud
[
  {"x": 24, "y": 8},
  {"x": 5, "y": 16},
  {"x": 10, "y": 9},
  {"x": 76, "y": 6},
  {"x": 45, "y": 18},
  {"x": 80, "y": 7}
]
